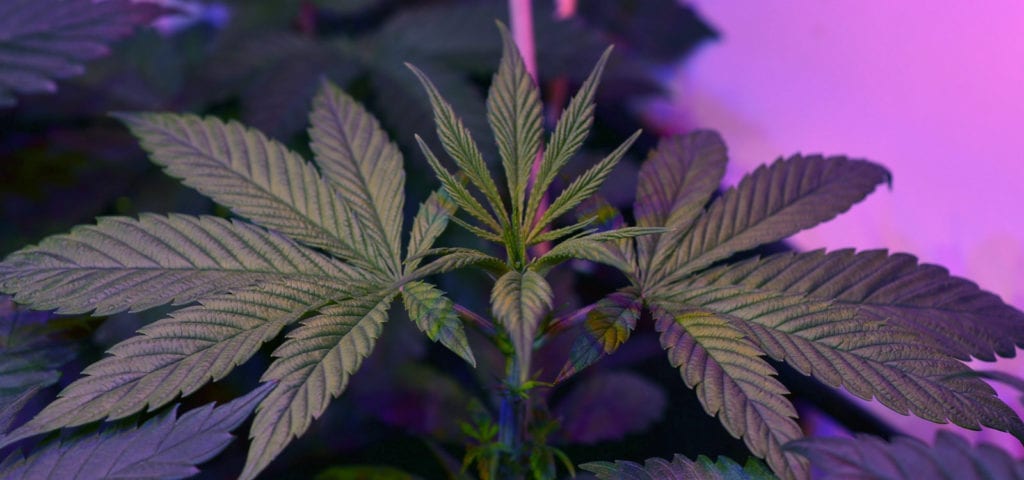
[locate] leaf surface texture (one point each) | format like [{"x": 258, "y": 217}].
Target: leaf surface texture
[
  {"x": 166, "y": 446},
  {"x": 123, "y": 263}
]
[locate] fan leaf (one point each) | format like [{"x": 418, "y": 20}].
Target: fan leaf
[
  {"x": 732, "y": 381},
  {"x": 592, "y": 247},
  {"x": 167, "y": 446},
  {"x": 459, "y": 144},
  {"x": 606, "y": 327},
  {"x": 514, "y": 112},
  {"x": 951, "y": 313},
  {"x": 570, "y": 131},
  {"x": 680, "y": 468},
  {"x": 519, "y": 300},
  {"x": 674, "y": 184},
  {"x": 257, "y": 178},
  {"x": 430, "y": 222},
  {"x": 360, "y": 161},
  {"x": 583, "y": 187},
  {"x": 770, "y": 204},
  {"x": 312, "y": 367},
  {"x": 460, "y": 195},
  {"x": 435, "y": 316},
  {"x": 907, "y": 458},
  {"x": 127, "y": 264},
  {"x": 456, "y": 258},
  {"x": 867, "y": 357},
  {"x": 179, "y": 354},
  {"x": 44, "y": 40}
]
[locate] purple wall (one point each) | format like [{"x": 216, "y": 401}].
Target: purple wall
[{"x": 932, "y": 89}]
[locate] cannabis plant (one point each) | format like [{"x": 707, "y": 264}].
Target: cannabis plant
[{"x": 326, "y": 256}]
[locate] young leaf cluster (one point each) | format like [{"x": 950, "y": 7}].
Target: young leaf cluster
[{"x": 514, "y": 217}]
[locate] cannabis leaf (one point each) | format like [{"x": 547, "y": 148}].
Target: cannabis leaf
[
  {"x": 846, "y": 344},
  {"x": 312, "y": 367},
  {"x": 732, "y": 381},
  {"x": 880, "y": 326},
  {"x": 770, "y": 204},
  {"x": 519, "y": 300},
  {"x": 179, "y": 354},
  {"x": 514, "y": 112},
  {"x": 680, "y": 468},
  {"x": 166, "y": 446},
  {"x": 247, "y": 283},
  {"x": 256, "y": 177},
  {"x": 950, "y": 313},
  {"x": 43, "y": 40},
  {"x": 435, "y": 315},
  {"x": 907, "y": 458},
  {"x": 675, "y": 182},
  {"x": 133, "y": 264},
  {"x": 606, "y": 327},
  {"x": 366, "y": 169}
]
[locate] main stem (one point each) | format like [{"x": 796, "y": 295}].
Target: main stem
[
  {"x": 511, "y": 421},
  {"x": 514, "y": 410}
]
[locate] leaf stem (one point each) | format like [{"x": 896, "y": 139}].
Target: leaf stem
[{"x": 482, "y": 323}]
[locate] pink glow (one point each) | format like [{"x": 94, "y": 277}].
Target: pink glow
[{"x": 932, "y": 89}]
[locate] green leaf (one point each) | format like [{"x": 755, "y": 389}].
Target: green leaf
[
  {"x": 907, "y": 458},
  {"x": 514, "y": 112},
  {"x": 583, "y": 187},
  {"x": 680, "y": 468},
  {"x": 770, "y": 204},
  {"x": 255, "y": 177},
  {"x": 456, "y": 258},
  {"x": 405, "y": 108},
  {"x": 867, "y": 357},
  {"x": 604, "y": 330},
  {"x": 430, "y": 222},
  {"x": 950, "y": 313},
  {"x": 732, "y": 381},
  {"x": 593, "y": 247},
  {"x": 127, "y": 264},
  {"x": 360, "y": 161},
  {"x": 312, "y": 367},
  {"x": 435, "y": 316},
  {"x": 166, "y": 446},
  {"x": 459, "y": 144},
  {"x": 674, "y": 184},
  {"x": 461, "y": 196},
  {"x": 177, "y": 355},
  {"x": 570, "y": 131},
  {"x": 43, "y": 40},
  {"x": 519, "y": 300}
]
